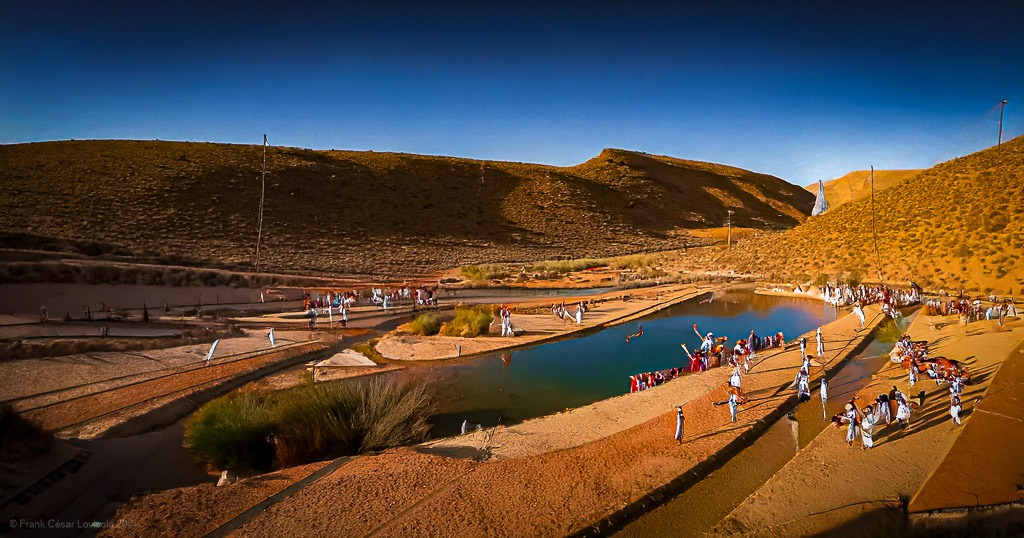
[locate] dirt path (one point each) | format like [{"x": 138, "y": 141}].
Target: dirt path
[{"x": 830, "y": 485}]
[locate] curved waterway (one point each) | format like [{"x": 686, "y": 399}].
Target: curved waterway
[
  {"x": 552, "y": 377},
  {"x": 699, "y": 508}
]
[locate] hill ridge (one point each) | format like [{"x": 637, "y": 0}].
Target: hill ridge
[
  {"x": 855, "y": 185},
  {"x": 959, "y": 224},
  {"x": 372, "y": 212}
]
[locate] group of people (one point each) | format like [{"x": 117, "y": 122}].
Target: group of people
[
  {"x": 647, "y": 380},
  {"x": 712, "y": 352},
  {"x": 324, "y": 304},
  {"x": 563, "y": 313},
  {"x": 896, "y": 407},
  {"x": 889, "y": 407},
  {"x": 506, "y": 321},
  {"x": 845, "y": 294},
  {"x": 973, "y": 310},
  {"x": 317, "y": 304},
  {"x": 913, "y": 355}
]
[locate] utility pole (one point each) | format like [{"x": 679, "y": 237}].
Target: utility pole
[
  {"x": 874, "y": 231},
  {"x": 730, "y": 228},
  {"x": 263, "y": 190},
  {"x": 1002, "y": 104}
]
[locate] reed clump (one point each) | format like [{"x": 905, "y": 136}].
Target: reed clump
[{"x": 309, "y": 423}]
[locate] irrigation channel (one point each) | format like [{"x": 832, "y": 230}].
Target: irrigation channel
[
  {"x": 549, "y": 378},
  {"x": 698, "y": 509}
]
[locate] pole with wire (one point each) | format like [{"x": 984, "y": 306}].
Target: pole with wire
[
  {"x": 730, "y": 228},
  {"x": 263, "y": 190},
  {"x": 1002, "y": 104},
  {"x": 874, "y": 231}
]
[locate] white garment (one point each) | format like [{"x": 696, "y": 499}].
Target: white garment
[
  {"x": 867, "y": 428},
  {"x": 851, "y": 430},
  {"x": 860, "y": 314},
  {"x": 903, "y": 413}
]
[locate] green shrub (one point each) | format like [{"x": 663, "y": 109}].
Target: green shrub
[
  {"x": 309, "y": 423},
  {"x": 232, "y": 431},
  {"x": 425, "y": 325},
  {"x": 470, "y": 321}
]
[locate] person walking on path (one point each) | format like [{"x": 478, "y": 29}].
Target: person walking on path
[
  {"x": 734, "y": 403},
  {"x": 820, "y": 342},
  {"x": 679, "y": 424},
  {"x": 824, "y": 398},
  {"x": 859, "y": 311},
  {"x": 850, "y": 418},
  {"x": 803, "y": 348},
  {"x": 954, "y": 409},
  {"x": 867, "y": 427}
]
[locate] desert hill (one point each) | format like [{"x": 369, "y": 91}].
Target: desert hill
[
  {"x": 857, "y": 185},
  {"x": 958, "y": 224},
  {"x": 369, "y": 212}
]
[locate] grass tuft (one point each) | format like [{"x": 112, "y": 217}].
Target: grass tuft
[
  {"x": 231, "y": 432},
  {"x": 469, "y": 322},
  {"x": 425, "y": 325}
]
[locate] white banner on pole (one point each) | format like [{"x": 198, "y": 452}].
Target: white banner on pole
[{"x": 270, "y": 335}]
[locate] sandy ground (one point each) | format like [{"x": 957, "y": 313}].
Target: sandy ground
[
  {"x": 829, "y": 484},
  {"x": 984, "y": 465},
  {"x": 38, "y": 376},
  {"x": 549, "y": 476},
  {"x": 589, "y": 466}
]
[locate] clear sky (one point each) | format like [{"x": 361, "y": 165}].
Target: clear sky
[{"x": 800, "y": 90}]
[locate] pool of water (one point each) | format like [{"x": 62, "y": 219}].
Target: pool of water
[
  {"x": 552, "y": 377},
  {"x": 697, "y": 510}
]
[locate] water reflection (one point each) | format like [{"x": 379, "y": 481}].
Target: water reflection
[{"x": 571, "y": 373}]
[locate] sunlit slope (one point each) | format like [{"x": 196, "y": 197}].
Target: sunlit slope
[
  {"x": 857, "y": 185},
  {"x": 960, "y": 223}
]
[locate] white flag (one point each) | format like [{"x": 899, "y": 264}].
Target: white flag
[
  {"x": 271, "y": 336},
  {"x": 212, "y": 349}
]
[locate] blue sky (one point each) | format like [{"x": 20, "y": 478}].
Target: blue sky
[{"x": 800, "y": 90}]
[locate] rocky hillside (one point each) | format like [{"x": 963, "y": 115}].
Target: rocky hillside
[
  {"x": 958, "y": 224},
  {"x": 368, "y": 212}
]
